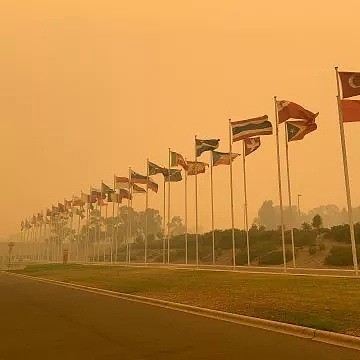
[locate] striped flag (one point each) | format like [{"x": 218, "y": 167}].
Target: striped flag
[
  {"x": 138, "y": 190},
  {"x": 137, "y": 178},
  {"x": 175, "y": 175},
  {"x": 153, "y": 186},
  {"x": 252, "y": 127},
  {"x": 121, "y": 182},
  {"x": 220, "y": 158}
]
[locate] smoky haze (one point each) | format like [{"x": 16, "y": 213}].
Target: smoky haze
[{"x": 89, "y": 90}]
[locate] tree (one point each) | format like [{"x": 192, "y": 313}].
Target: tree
[
  {"x": 176, "y": 226},
  {"x": 317, "y": 222},
  {"x": 305, "y": 226},
  {"x": 267, "y": 215}
]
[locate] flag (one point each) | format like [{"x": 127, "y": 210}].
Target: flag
[
  {"x": 196, "y": 167},
  {"x": 296, "y": 130},
  {"x": 55, "y": 210},
  {"x": 61, "y": 207},
  {"x": 67, "y": 204},
  {"x": 33, "y": 219},
  {"x": 77, "y": 201},
  {"x": 40, "y": 217},
  {"x": 350, "y": 82},
  {"x": 27, "y": 224},
  {"x": 137, "y": 178},
  {"x": 252, "y": 127},
  {"x": 124, "y": 194},
  {"x": 220, "y": 158},
  {"x": 154, "y": 169},
  {"x": 79, "y": 212},
  {"x": 290, "y": 110},
  {"x": 177, "y": 159},
  {"x": 175, "y": 175},
  {"x": 22, "y": 225},
  {"x": 153, "y": 186},
  {"x": 101, "y": 201},
  {"x": 251, "y": 144},
  {"x": 206, "y": 145},
  {"x": 350, "y": 110},
  {"x": 49, "y": 212},
  {"x": 138, "y": 190},
  {"x": 121, "y": 182},
  {"x": 105, "y": 189}
]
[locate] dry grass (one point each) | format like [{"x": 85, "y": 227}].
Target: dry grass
[{"x": 324, "y": 303}]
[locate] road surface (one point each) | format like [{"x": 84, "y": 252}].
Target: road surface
[{"x": 46, "y": 321}]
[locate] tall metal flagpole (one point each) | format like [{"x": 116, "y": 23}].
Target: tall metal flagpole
[
  {"x": 212, "y": 205},
  {"x": 105, "y": 233},
  {"x": 186, "y": 219},
  {"x": 346, "y": 176},
  {"x": 146, "y": 210},
  {"x": 164, "y": 220},
  {"x": 196, "y": 211},
  {"x": 114, "y": 198},
  {"x": 129, "y": 219},
  {"x": 280, "y": 188},
  {"x": 232, "y": 198},
  {"x": 246, "y": 218},
  {"x": 289, "y": 194},
  {"x": 168, "y": 224}
]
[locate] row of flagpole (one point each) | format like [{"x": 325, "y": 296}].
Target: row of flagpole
[{"x": 244, "y": 130}]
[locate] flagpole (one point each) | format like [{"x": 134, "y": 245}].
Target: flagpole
[
  {"x": 212, "y": 206},
  {"x": 232, "y": 199},
  {"x": 346, "y": 176},
  {"x": 164, "y": 220},
  {"x": 279, "y": 180},
  {"x": 168, "y": 224},
  {"x": 245, "y": 205},
  {"x": 289, "y": 194},
  {"x": 186, "y": 220},
  {"x": 113, "y": 222},
  {"x": 146, "y": 210},
  {"x": 105, "y": 233},
  {"x": 87, "y": 241},
  {"x": 128, "y": 248},
  {"x": 196, "y": 211}
]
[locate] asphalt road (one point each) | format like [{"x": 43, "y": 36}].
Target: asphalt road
[{"x": 46, "y": 321}]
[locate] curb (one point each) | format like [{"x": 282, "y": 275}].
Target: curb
[{"x": 323, "y": 336}]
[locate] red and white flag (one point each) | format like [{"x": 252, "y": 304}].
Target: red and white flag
[
  {"x": 350, "y": 110},
  {"x": 121, "y": 182},
  {"x": 290, "y": 110},
  {"x": 350, "y": 82},
  {"x": 251, "y": 144}
]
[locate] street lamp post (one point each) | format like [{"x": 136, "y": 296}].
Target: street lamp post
[{"x": 298, "y": 203}]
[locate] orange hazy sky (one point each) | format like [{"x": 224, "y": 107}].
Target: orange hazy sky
[{"x": 89, "y": 88}]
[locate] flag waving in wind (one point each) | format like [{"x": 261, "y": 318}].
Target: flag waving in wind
[
  {"x": 138, "y": 190},
  {"x": 220, "y": 158},
  {"x": 175, "y": 175},
  {"x": 251, "y": 144},
  {"x": 350, "y": 110},
  {"x": 137, "y": 178},
  {"x": 252, "y": 127},
  {"x": 155, "y": 169},
  {"x": 296, "y": 130},
  {"x": 290, "y": 110},
  {"x": 196, "y": 167},
  {"x": 350, "y": 82},
  {"x": 177, "y": 159},
  {"x": 206, "y": 145},
  {"x": 121, "y": 182}
]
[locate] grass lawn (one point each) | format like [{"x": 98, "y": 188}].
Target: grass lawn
[{"x": 319, "y": 302}]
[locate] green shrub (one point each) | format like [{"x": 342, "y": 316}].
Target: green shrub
[
  {"x": 275, "y": 257},
  {"x": 339, "y": 256}
]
